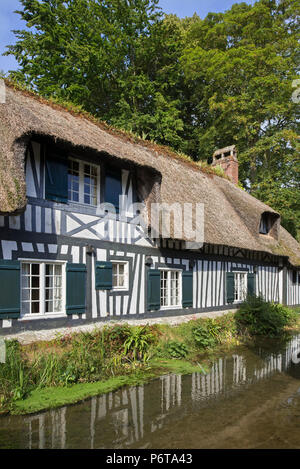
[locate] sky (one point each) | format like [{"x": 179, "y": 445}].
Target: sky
[{"x": 10, "y": 20}]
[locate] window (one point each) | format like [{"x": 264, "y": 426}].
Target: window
[
  {"x": 264, "y": 225},
  {"x": 294, "y": 276},
  {"x": 82, "y": 182},
  {"x": 269, "y": 224},
  {"x": 240, "y": 286},
  {"x": 120, "y": 275},
  {"x": 170, "y": 291},
  {"x": 113, "y": 187},
  {"x": 42, "y": 288}
]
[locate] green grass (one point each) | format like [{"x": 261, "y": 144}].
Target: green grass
[{"x": 50, "y": 398}]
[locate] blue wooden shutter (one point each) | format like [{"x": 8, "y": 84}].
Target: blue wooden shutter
[
  {"x": 56, "y": 178},
  {"x": 230, "y": 287},
  {"x": 76, "y": 288},
  {"x": 9, "y": 289},
  {"x": 113, "y": 187},
  {"x": 153, "y": 290},
  {"x": 187, "y": 289},
  {"x": 103, "y": 275},
  {"x": 251, "y": 284}
]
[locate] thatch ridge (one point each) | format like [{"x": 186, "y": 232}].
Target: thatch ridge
[{"x": 232, "y": 216}]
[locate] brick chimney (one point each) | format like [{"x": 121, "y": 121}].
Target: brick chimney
[{"x": 227, "y": 159}]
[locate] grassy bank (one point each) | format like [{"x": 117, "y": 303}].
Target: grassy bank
[{"x": 74, "y": 367}]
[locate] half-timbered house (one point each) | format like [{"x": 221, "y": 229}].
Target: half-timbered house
[{"x": 66, "y": 258}]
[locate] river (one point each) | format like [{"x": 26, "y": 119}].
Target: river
[{"x": 249, "y": 399}]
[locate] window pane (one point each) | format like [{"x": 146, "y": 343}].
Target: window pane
[
  {"x": 35, "y": 282},
  {"x": 57, "y": 306},
  {"x": 48, "y": 294},
  {"x": 75, "y": 185},
  {"x": 25, "y": 269},
  {"x": 49, "y": 269},
  {"x": 49, "y": 282},
  {"x": 25, "y": 282},
  {"x": 49, "y": 306},
  {"x": 35, "y": 269},
  {"x": 73, "y": 181},
  {"x": 35, "y": 308},
  {"x": 57, "y": 282},
  {"x": 35, "y": 294}
]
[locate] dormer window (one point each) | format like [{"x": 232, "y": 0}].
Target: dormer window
[
  {"x": 83, "y": 181},
  {"x": 265, "y": 224},
  {"x": 269, "y": 224}
]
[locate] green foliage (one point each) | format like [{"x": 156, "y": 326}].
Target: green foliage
[
  {"x": 206, "y": 333},
  {"x": 176, "y": 349},
  {"x": 138, "y": 343},
  {"x": 259, "y": 317}
]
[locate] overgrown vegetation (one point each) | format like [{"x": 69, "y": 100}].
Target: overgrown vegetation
[
  {"x": 117, "y": 355},
  {"x": 259, "y": 317}
]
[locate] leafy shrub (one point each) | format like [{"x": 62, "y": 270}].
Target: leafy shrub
[
  {"x": 259, "y": 317},
  {"x": 207, "y": 333},
  {"x": 175, "y": 349},
  {"x": 138, "y": 342}
]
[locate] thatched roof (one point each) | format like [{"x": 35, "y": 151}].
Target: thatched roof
[{"x": 232, "y": 216}]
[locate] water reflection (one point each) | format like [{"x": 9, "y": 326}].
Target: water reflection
[{"x": 127, "y": 418}]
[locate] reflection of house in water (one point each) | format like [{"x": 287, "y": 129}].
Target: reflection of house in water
[
  {"x": 125, "y": 418},
  {"x": 42, "y": 435}
]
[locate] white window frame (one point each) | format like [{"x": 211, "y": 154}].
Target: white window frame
[
  {"x": 81, "y": 182},
  {"x": 242, "y": 295},
  {"x": 43, "y": 313},
  {"x": 179, "y": 305},
  {"x": 126, "y": 276}
]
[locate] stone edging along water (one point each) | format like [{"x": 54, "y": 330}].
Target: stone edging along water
[{"x": 27, "y": 337}]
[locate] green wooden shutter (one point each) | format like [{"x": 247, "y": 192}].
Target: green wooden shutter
[
  {"x": 56, "y": 178},
  {"x": 251, "y": 284},
  {"x": 153, "y": 290},
  {"x": 9, "y": 289},
  {"x": 103, "y": 275},
  {"x": 76, "y": 288},
  {"x": 230, "y": 287},
  {"x": 113, "y": 186},
  {"x": 187, "y": 289}
]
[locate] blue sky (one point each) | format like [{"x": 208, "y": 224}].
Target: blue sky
[{"x": 9, "y": 20}]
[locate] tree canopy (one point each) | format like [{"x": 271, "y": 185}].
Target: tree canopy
[{"x": 193, "y": 84}]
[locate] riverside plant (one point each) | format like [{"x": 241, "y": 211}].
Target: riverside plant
[{"x": 125, "y": 351}]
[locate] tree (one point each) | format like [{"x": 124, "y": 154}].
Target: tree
[{"x": 241, "y": 65}]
